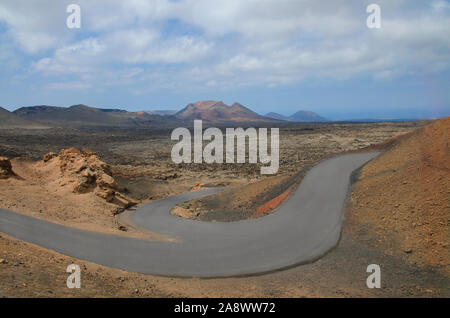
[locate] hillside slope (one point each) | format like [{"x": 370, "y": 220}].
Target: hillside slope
[
  {"x": 10, "y": 120},
  {"x": 403, "y": 197},
  {"x": 85, "y": 116}
]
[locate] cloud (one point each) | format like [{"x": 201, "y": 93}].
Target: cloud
[
  {"x": 187, "y": 43},
  {"x": 440, "y": 6},
  {"x": 68, "y": 86},
  {"x": 32, "y": 25}
]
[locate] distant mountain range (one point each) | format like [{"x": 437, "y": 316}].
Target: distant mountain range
[
  {"x": 300, "y": 116},
  {"x": 83, "y": 116},
  {"x": 161, "y": 112}
]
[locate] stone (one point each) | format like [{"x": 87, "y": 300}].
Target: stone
[
  {"x": 49, "y": 156},
  {"x": 5, "y": 168}
]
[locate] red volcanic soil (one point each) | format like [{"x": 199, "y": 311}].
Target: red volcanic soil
[
  {"x": 272, "y": 204},
  {"x": 402, "y": 196}
]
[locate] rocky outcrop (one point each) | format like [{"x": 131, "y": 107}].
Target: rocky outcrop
[
  {"x": 5, "y": 168},
  {"x": 85, "y": 172}
]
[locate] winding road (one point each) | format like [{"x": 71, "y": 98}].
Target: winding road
[{"x": 303, "y": 228}]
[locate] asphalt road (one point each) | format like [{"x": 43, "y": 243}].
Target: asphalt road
[{"x": 302, "y": 229}]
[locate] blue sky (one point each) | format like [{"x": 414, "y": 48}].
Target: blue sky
[{"x": 280, "y": 56}]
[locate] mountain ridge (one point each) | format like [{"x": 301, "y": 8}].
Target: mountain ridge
[
  {"x": 86, "y": 116},
  {"x": 299, "y": 116}
]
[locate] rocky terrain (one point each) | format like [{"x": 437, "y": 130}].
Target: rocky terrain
[
  {"x": 139, "y": 162},
  {"x": 72, "y": 188},
  {"x": 85, "y": 173}
]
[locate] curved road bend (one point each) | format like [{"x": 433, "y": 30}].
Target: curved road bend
[{"x": 303, "y": 228}]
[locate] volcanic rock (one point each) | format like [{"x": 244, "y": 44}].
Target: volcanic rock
[
  {"x": 85, "y": 172},
  {"x": 5, "y": 168}
]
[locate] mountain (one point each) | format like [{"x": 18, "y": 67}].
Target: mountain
[
  {"x": 85, "y": 116},
  {"x": 277, "y": 116},
  {"x": 161, "y": 112},
  {"x": 218, "y": 112},
  {"x": 11, "y": 120},
  {"x": 306, "y": 116},
  {"x": 300, "y": 116}
]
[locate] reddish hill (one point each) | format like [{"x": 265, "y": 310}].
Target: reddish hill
[
  {"x": 402, "y": 196},
  {"x": 218, "y": 112}
]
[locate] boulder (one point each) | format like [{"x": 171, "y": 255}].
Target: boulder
[{"x": 5, "y": 168}]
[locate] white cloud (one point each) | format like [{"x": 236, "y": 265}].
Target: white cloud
[
  {"x": 225, "y": 43},
  {"x": 68, "y": 86},
  {"x": 176, "y": 50},
  {"x": 440, "y": 5},
  {"x": 33, "y": 24}
]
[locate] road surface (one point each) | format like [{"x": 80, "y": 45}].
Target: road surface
[{"x": 303, "y": 228}]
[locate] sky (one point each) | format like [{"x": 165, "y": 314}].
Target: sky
[{"x": 271, "y": 56}]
